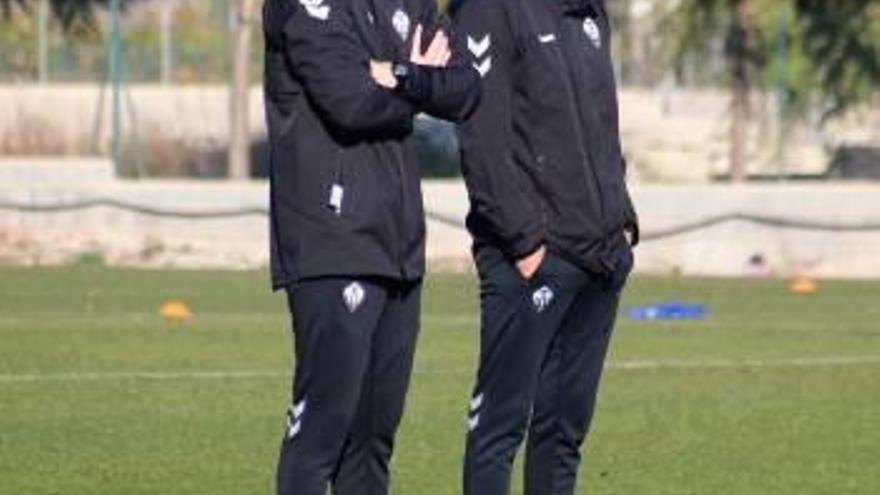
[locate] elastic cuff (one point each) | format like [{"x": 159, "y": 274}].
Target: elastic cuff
[
  {"x": 416, "y": 86},
  {"x": 525, "y": 245},
  {"x": 635, "y": 234},
  {"x": 632, "y": 223}
]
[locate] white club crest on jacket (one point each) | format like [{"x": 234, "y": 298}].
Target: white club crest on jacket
[
  {"x": 479, "y": 48},
  {"x": 593, "y": 32},
  {"x": 316, "y": 9},
  {"x": 401, "y": 23},
  {"x": 353, "y": 296}
]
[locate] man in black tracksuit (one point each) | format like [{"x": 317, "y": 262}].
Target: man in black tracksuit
[
  {"x": 553, "y": 226},
  {"x": 344, "y": 80}
]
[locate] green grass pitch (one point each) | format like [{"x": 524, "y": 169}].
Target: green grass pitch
[{"x": 772, "y": 394}]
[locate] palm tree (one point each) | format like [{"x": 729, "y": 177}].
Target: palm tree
[
  {"x": 842, "y": 43},
  {"x": 239, "y": 135},
  {"x": 699, "y": 22},
  {"x": 71, "y": 13},
  {"x": 832, "y": 63}
]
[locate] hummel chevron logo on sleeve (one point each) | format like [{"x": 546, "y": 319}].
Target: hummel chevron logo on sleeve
[
  {"x": 479, "y": 48},
  {"x": 484, "y": 67}
]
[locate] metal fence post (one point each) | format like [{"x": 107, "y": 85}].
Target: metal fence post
[
  {"x": 43, "y": 41},
  {"x": 165, "y": 22},
  {"x": 781, "y": 91},
  {"x": 116, "y": 82}
]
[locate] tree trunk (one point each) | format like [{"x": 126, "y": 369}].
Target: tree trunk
[
  {"x": 239, "y": 94},
  {"x": 638, "y": 15},
  {"x": 166, "y": 19},
  {"x": 43, "y": 41},
  {"x": 738, "y": 52}
]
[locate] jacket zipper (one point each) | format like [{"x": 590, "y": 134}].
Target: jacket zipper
[
  {"x": 400, "y": 227},
  {"x": 336, "y": 192},
  {"x": 579, "y": 124},
  {"x": 392, "y": 43}
]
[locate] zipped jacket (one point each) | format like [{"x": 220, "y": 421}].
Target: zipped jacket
[
  {"x": 541, "y": 155},
  {"x": 345, "y": 182}
]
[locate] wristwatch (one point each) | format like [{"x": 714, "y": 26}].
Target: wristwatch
[{"x": 402, "y": 72}]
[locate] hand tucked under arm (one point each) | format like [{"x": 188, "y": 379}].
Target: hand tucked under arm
[{"x": 436, "y": 55}]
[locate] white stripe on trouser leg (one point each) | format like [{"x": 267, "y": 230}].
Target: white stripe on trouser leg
[
  {"x": 299, "y": 409},
  {"x": 474, "y": 416},
  {"x": 294, "y": 419},
  {"x": 476, "y": 402}
]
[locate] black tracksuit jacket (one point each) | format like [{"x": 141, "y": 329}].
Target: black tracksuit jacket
[
  {"x": 542, "y": 156},
  {"x": 345, "y": 192}
]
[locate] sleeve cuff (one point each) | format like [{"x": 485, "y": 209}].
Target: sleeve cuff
[
  {"x": 525, "y": 244},
  {"x": 416, "y": 86}
]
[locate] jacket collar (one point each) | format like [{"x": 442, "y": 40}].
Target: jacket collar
[{"x": 580, "y": 8}]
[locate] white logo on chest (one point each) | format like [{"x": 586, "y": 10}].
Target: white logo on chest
[
  {"x": 353, "y": 296},
  {"x": 401, "y": 23},
  {"x": 593, "y": 32},
  {"x": 542, "y": 298},
  {"x": 316, "y": 9}
]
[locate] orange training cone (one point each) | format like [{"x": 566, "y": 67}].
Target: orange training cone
[
  {"x": 802, "y": 284},
  {"x": 175, "y": 310}
]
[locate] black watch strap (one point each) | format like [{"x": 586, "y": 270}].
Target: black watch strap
[
  {"x": 413, "y": 82},
  {"x": 402, "y": 71}
]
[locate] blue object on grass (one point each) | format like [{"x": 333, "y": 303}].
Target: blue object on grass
[{"x": 668, "y": 310}]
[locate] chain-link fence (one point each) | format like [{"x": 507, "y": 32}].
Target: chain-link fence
[
  {"x": 188, "y": 41},
  {"x": 187, "y": 44},
  {"x": 170, "y": 41}
]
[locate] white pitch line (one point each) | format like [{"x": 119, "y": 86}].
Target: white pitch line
[
  {"x": 428, "y": 319},
  {"x": 658, "y": 364},
  {"x": 803, "y": 362},
  {"x": 77, "y": 376}
]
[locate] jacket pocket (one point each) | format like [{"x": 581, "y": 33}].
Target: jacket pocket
[
  {"x": 335, "y": 186},
  {"x": 544, "y": 272},
  {"x": 368, "y": 187},
  {"x": 623, "y": 266}
]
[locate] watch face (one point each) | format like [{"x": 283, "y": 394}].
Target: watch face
[{"x": 400, "y": 70}]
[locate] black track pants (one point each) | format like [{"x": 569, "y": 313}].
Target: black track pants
[
  {"x": 543, "y": 345},
  {"x": 354, "y": 346}
]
